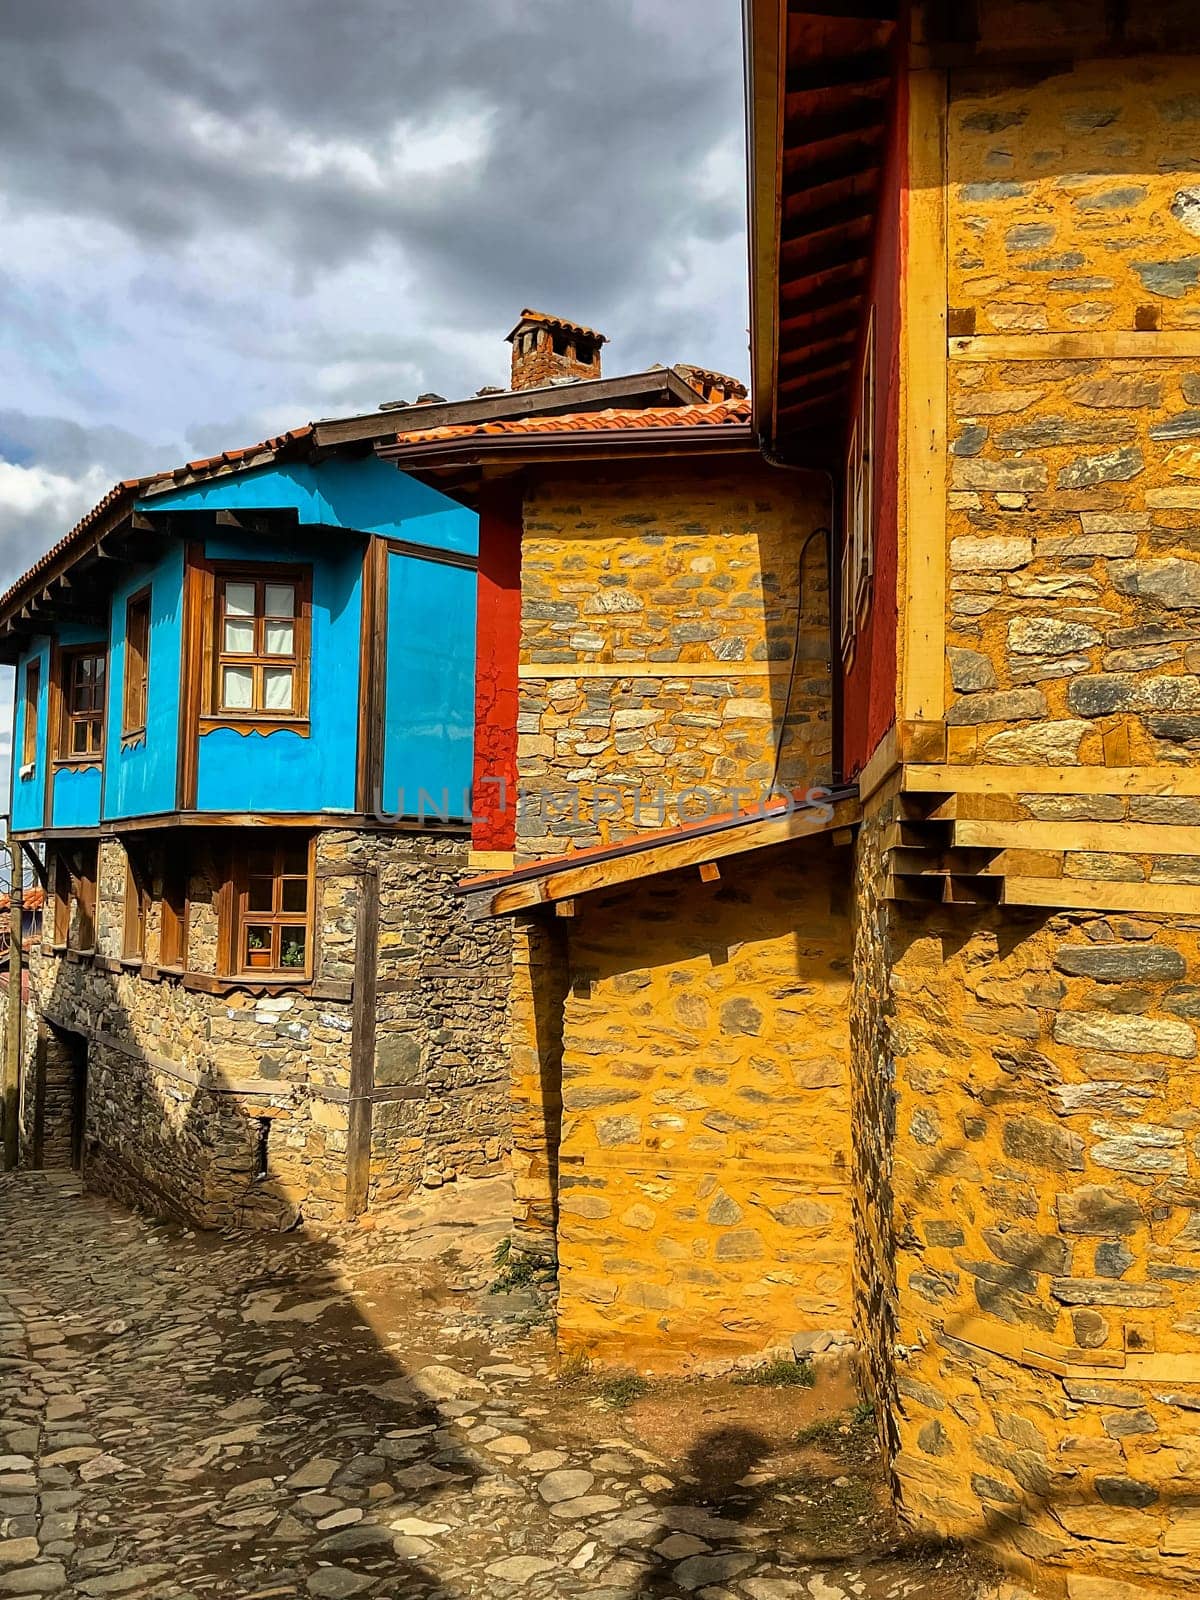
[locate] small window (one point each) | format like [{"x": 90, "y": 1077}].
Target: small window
[
  {"x": 172, "y": 936},
  {"x": 82, "y": 732},
  {"x": 858, "y": 544},
  {"x": 272, "y": 900},
  {"x": 134, "y": 939},
  {"x": 137, "y": 664},
  {"x": 29, "y": 720},
  {"x": 260, "y": 654}
]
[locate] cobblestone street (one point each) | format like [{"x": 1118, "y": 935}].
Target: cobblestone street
[{"x": 186, "y": 1415}]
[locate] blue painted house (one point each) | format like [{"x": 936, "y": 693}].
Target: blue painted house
[
  {"x": 295, "y": 639},
  {"x": 242, "y": 763}
]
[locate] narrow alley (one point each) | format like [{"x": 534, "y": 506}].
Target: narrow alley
[{"x": 198, "y": 1415}]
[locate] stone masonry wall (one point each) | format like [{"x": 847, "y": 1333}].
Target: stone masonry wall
[
  {"x": 233, "y": 1108},
  {"x": 698, "y": 571},
  {"x": 704, "y": 1172},
  {"x": 1046, "y": 1182},
  {"x": 1074, "y": 563}
]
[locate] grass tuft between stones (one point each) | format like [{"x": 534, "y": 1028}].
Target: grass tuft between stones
[
  {"x": 622, "y": 1389},
  {"x": 778, "y": 1374},
  {"x": 515, "y": 1270}
]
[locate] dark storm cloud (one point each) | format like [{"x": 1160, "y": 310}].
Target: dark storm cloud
[{"x": 588, "y": 131}]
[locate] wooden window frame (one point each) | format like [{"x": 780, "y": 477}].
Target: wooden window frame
[
  {"x": 66, "y": 718},
  {"x": 135, "y": 687},
  {"x": 32, "y": 689},
  {"x": 239, "y": 916},
  {"x": 858, "y": 542},
  {"x": 259, "y": 717}
]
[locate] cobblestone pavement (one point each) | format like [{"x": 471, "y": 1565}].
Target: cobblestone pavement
[{"x": 186, "y": 1415}]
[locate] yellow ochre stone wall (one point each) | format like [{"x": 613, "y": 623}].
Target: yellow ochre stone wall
[
  {"x": 704, "y": 1204},
  {"x": 1073, "y": 627},
  {"x": 696, "y": 570},
  {"x": 1046, "y": 1183}
]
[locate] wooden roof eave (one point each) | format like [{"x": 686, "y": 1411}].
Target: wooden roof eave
[
  {"x": 545, "y": 884},
  {"x": 589, "y": 394},
  {"x": 37, "y": 601},
  {"x": 765, "y": 33}
]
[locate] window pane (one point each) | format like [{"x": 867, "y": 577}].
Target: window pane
[
  {"x": 277, "y": 688},
  {"x": 294, "y": 860},
  {"x": 294, "y": 942},
  {"x": 260, "y": 894},
  {"x": 239, "y": 637},
  {"x": 256, "y": 945},
  {"x": 294, "y": 895},
  {"x": 280, "y": 639},
  {"x": 237, "y": 688},
  {"x": 80, "y": 738},
  {"x": 93, "y": 728},
  {"x": 280, "y": 600},
  {"x": 260, "y": 863},
  {"x": 239, "y": 599}
]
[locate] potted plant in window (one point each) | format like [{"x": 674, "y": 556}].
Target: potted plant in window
[
  {"x": 293, "y": 953},
  {"x": 258, "y": 952}
]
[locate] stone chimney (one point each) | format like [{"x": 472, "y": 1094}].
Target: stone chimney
[{"x": 547, "y": 350}]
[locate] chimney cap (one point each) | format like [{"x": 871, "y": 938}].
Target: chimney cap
[
  {"x": 706, "y": 380},
  {"x": 542, "y": 319}
]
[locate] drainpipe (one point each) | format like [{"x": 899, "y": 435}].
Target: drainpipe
[
  {"x": 12, "y": 1052},
  {"x": 833, "y": 574}
]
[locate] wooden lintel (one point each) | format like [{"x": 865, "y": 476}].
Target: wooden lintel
[
  {"x": 1175, "y": 344},
  {"x": 948, "y": 780},
  {"x": 1117, "y": 838},
  {"x": 1092, "y": 894}
]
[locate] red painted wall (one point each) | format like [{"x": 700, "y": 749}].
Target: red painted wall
[
  {"x": 497, "y": 649},
  {"x": 869, "y": 686}
]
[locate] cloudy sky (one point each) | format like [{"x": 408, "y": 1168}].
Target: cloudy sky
[{"x": 222, "y": 218}]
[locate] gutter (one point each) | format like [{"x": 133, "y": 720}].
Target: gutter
[{"x": 620, "y": 443}]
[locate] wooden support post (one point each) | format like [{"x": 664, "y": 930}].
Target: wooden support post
[
  {"x": 362, "y": 1043},
  {"x": 923, "y": 597},
  {"x": 12, "y": 1052},
  {"x": 564, "y": 908},
  {"x": 710, "y": 872}
]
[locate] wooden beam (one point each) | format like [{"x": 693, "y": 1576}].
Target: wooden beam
[
  {"x": 669, "y": 855},
  {"x": 924, "y": 406},
  {"x": 545, "y": 670},
  {"x": 259, "y": 523},
  {"x": 1176, "y": 344},
  {"x": 1093, "y": 894},
  {"x": 1118, "y": 838},
  {"x": 1051, "y": 780}
]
